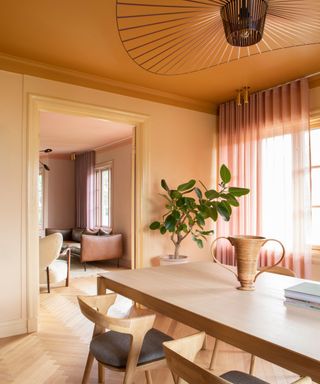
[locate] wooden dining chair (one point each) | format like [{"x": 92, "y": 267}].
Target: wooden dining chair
[
  {"x": 129, "y": 344},
  {"x": 279, "y": 271},
  {"x": 181, "y": 354}
]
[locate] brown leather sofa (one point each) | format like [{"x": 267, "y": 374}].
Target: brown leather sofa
[{"x": 90, "y": 245}]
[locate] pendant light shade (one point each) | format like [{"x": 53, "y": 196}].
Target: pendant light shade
[
  {"x": 174, "y": 37},
  {"x": 243, "y": 21}
]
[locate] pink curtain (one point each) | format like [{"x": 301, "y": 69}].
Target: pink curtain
[
  {"x": 265, "y": 144},
  {"x": 85, "y": 190}
]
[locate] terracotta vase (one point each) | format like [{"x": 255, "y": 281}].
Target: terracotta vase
[{"x": 247, "y": 250}]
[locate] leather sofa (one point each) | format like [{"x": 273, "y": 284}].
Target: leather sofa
[{"x": 90, "y": 245}]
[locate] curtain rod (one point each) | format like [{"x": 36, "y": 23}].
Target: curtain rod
[
  {"x": 288, "y": 82},
  {"x": 275, "y": 86}
]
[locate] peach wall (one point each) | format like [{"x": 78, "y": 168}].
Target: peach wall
[
  {"x": 121, "y": 156},
  {"x": 60, "y": 193},
  {"x": 12, "y": 204}
]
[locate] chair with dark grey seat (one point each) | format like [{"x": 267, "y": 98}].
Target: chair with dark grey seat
[
  {"x": 181, "y": 354},
  {"x": 129, "y": 345}
]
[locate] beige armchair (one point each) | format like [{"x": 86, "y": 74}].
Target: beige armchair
[{"x": 51, "y": 269}]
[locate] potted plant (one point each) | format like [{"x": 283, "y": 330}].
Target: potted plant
[{"x": 190, "y": 206}]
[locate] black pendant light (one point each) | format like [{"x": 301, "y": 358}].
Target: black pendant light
[
  {"x": 243, "y": 21},
  {"x": 174, "y": 37}
]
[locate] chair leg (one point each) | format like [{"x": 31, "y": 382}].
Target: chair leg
[
  {"x": 148, "y": 377},
  {"x": 48, "y": 279},
  {"x": 214, "y": 354},
  {"x": 87, "y": 369},
  {"x": 252, "y": 364},
  {"x": 172, "y": 327},
  {"x": 84, "y": 266},
  {"x": 101, "y": 373}
]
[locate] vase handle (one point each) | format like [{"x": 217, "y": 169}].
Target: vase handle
[
  {"x": 215, "y": 260},
  {"x": 278, "y": 262}
]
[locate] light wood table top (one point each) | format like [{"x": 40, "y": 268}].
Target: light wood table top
[{"x": 204, "y": 296}]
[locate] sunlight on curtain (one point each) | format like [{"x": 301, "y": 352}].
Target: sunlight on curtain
[{"x": 266, "y": 146}]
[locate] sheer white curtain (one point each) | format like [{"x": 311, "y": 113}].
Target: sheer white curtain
[{"x": 267, "y": 148}]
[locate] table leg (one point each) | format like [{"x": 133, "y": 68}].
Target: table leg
[{"x": 101, "y": 286}]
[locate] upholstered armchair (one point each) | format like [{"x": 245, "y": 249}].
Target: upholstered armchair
[{"x": 51, "y": 269}]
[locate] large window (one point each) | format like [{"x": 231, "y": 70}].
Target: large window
[
  {"x": 103, "y": 195},
  {"x": 315, "y": 180}
]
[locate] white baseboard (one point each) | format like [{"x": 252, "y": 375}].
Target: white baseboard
[{"x": 12, "y": 328}]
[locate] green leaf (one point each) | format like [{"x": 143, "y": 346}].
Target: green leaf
[
  {"x": 212, "y": 194},
  {"x": 199, "y": 243},
  {"x": 225, "y": 174},
  {"x": 190, "y": 202},
  {"x": 223, "y": 211},
  {"x": 207, "y": 233},
  {"x": 200, "y": 219},
  {"x": 198, "y": 192},
  {"x": 176, "y": 214},
  {"x": 154, "y": 225},
  {"x": 170, "y": 223},
  {"x": 164, "y": 185},
  {"x": 235, "y": 191},
  {"x": 174, "y": 194},
  {"x": 213, "y": 213},
  {"x": 190, "y": 184},
  {"x": 231, "y": 199},
  {"x": 182, "y": 228},
  {"x": 163, "y": 230}
]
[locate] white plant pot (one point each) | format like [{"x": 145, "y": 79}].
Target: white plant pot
[{"x": 170, "y": 260}]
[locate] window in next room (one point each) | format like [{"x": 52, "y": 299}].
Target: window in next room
[{"x": 103, "y": 207}]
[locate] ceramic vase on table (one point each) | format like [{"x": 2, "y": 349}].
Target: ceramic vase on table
[{"x": 247, "y": 249}]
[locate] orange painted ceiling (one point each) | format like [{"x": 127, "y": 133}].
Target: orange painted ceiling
[{"x": 82, "y": 35}]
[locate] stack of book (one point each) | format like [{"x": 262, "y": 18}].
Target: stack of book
[{"x": 305, "y": 295}]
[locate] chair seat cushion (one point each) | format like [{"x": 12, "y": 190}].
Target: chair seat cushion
[
  {"x": 237, "y": 377},
  {"x": 57, "y": 272},
  {"x": 112, "y": 348}
]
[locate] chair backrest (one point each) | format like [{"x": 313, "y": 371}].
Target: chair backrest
[
  {"x": 49, "y": 249},
  {"x": 180, "y": 355},
  {"x": 95, "y": 308}
]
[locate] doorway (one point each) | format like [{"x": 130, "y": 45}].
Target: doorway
[{"x": 39, "y": 104}]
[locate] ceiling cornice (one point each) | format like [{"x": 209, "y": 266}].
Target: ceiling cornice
[{"x": 57, "y": 73}]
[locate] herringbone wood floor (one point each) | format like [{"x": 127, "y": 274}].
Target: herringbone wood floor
[{"x": 57, "y": 353}]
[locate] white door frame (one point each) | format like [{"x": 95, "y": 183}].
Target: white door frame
[{"x": 140, "y": 175}]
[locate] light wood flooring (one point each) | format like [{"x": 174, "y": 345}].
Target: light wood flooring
[{"x": 57, "y": 353}]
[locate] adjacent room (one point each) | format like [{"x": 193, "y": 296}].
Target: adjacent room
[{"x": 160, "y": 203}]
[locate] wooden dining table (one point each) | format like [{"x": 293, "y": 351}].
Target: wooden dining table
[{"x": 203, "y": 295}]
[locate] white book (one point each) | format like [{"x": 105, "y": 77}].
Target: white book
[
  {"x": 307, "y": 291},
  {"x": 302, "y": 304}
]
